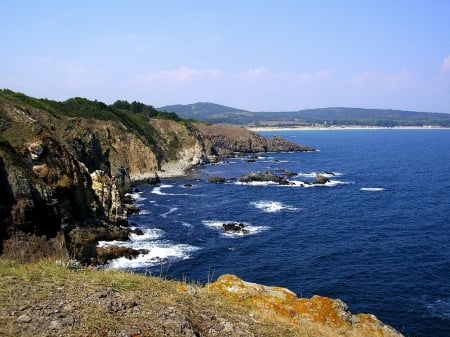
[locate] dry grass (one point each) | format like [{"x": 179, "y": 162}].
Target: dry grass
[{"x": 47, "y": 299}]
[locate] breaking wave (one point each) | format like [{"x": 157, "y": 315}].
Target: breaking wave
[
  {"x": 218, "y": 225},
  {"x": 272, "y": 206}
]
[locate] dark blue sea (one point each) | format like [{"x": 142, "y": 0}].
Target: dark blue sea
[{"x": 376, "y": 236}]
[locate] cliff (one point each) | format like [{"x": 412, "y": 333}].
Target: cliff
[{"x": 66, "y": 168}]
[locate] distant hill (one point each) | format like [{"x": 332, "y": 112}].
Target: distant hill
[{"x": 215, "y": 113}]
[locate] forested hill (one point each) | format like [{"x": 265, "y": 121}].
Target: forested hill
[{"x": 214, "y": 113}]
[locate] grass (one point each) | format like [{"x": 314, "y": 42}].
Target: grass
[{"x": 105, "y": 302}]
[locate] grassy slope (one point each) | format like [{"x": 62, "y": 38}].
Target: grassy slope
[{"x": 49, "y": 299}]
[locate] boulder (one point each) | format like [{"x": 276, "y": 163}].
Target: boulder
[
  {"x": 321, "y": 179},
  {"x": 235, "y": 227},
  {"x": 266, "y": 176},
  {"x": 216, "y": 179},
  {"x": 105, "y": 254}
]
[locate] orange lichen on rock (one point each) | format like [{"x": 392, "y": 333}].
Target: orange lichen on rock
[{"x": 283, "y": 305}]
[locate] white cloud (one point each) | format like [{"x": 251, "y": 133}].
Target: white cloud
[
  {"x": 81, "y": 76},
  {"x": 446, "y": 64},
  {"x": 180, "y": 75},
  {"x": 255, "y": 73},
  {"x": 374, "y": 79}
]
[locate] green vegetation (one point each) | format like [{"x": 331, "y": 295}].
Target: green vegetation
[{"x": 214, "y": 113}]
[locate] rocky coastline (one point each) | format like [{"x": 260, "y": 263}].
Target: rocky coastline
[
  {"x": 65, "y": 183},
  {"x": 65, "y": 180}
]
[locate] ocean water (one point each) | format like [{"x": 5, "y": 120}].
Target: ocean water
[{"x": 376, "y": 236}]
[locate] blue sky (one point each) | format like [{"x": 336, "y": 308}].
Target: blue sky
[{"x": 255, "y": 55}]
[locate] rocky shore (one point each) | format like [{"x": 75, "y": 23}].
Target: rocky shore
[{"x": 65, "y": 173}]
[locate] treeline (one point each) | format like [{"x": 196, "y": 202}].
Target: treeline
[{"x": 83, "y": 107}]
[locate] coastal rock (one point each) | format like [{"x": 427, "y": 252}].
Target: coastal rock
[
  {"x": 321, "y": 179},
  {"x": 105, "y": 254},
  {"x": 266, "y": 176},
  {"x": 216, "y": 179},
  {"x": 235, "y": 227},
  {"x": 225, "y": 141},
  {"x": 64, "y": 175},
  {"x": 283, "y": 305}
]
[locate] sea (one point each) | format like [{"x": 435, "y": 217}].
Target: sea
[{"x": 376, "y": 236}]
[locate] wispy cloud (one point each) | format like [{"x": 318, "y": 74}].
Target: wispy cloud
[
  {"x": 82, "y": 76},
  {"x": 370, "y": 79},
  {"x": 255, "y": 73},
  {"x": 179, "y": 75},
  {"x": 446, "y": 64}
]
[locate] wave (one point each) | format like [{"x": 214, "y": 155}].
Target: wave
[
  {"x": 272, "y": 206},
  {"x": 159, "y": 253},
  {"x": 295, "y": 183},
  {"x": 372, "y": 189},
  {"x": 218, "y": 225},
  {"x": 170, "y": 211},
  {"x": 327, "y": 174},
  {"x": 257, "y": 183},
  {"x": 136, "y": 241},
  {"x": 158, "y": 190}
]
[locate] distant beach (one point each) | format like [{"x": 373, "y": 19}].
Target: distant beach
[{"x": 341, "y": 127}]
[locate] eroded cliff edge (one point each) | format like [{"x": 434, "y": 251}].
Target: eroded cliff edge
[{"x": 66, "y": 168}]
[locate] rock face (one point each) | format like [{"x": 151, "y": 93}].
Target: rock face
[
  {"x": 224, "y": 141},
  {"x": 283, "y": 305},
  {"x": 64, "y": 178}
]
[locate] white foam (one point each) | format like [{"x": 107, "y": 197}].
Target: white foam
[
  {"x": 149, "y": 234},
  {"x": 333, "y": 183},
  {"x": 170, "y": 211},
  {"x": 272, "y": 206},
  {"x": 186, "y": 224},
  {"x": 218, "y": 224},
  {"x": 158, "y": 190},
  {"x": 324, "y": 174},
  {"x": 372, "y": 189},
  {"x": 257, "y": 183},
  {"x": 158, "y": 253},
  {"x": 136, "y": 196}
]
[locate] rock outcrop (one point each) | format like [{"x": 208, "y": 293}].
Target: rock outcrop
[
  {"x": 266, "y": 176},
  {"x": 224, "y": 141},
  {"x": 65, "y": 169},
  {"x": 283, "y": 305}
]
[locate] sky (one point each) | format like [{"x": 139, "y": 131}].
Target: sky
[{"x": 254, "y": 55}]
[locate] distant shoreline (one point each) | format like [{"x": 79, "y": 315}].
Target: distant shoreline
[{"x": 349, "y": 127}]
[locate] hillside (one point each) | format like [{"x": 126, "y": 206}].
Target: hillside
[
  {"x": 66, "y": 168},
  {"x": 339, "y": 116}
]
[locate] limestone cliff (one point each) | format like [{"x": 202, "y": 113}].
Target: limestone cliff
[{"x": 65, "y": 169}]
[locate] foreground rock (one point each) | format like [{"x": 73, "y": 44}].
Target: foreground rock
[{"x": 283, "y": 305}]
